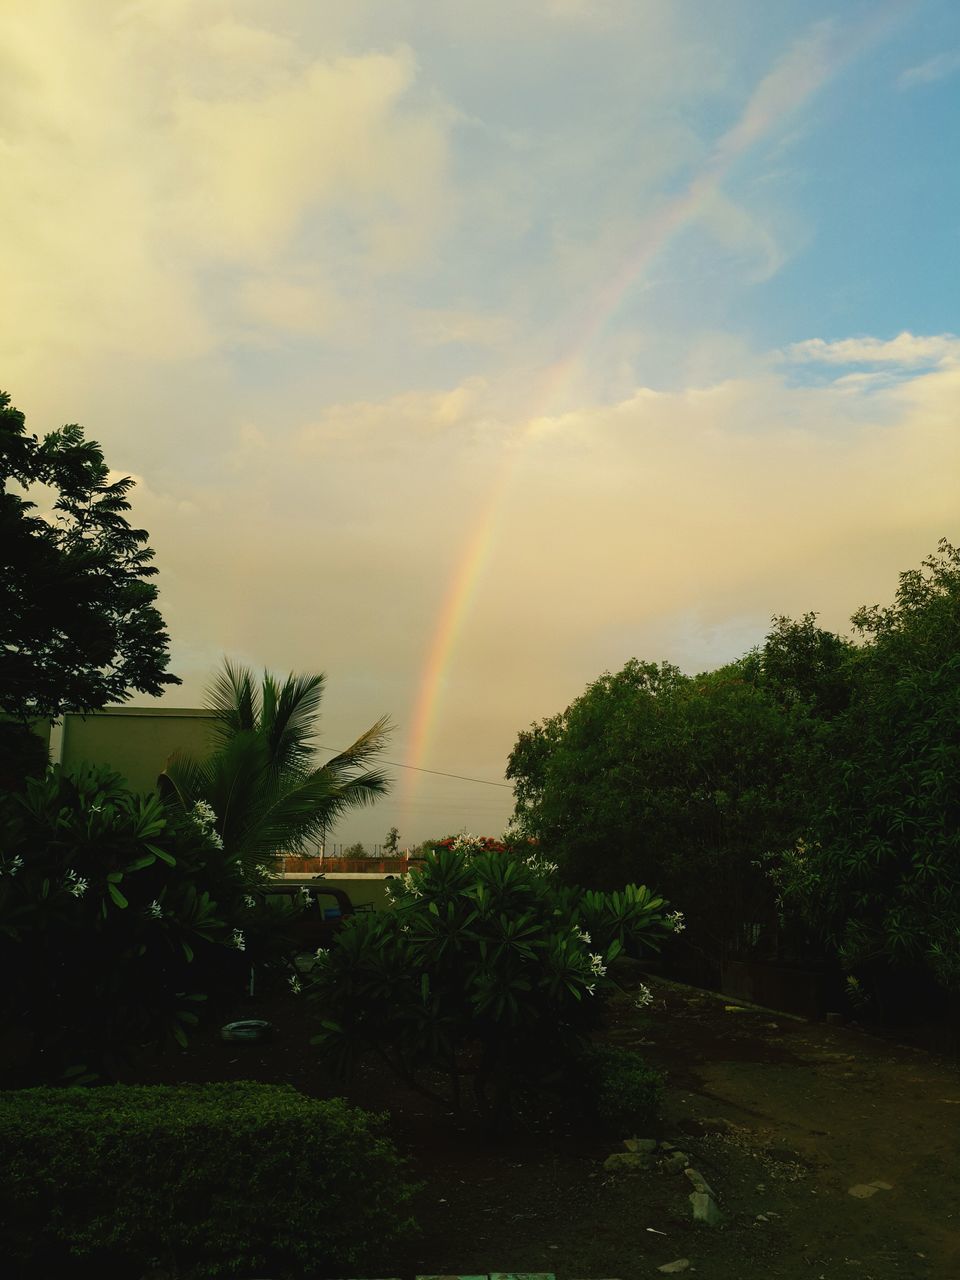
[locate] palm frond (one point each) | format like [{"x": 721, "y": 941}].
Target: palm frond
[
  {"x": 234, "y": 698},
  {"x": 366, "y": 746},
  {"x": 291, "y": 728},
  {"x": 183, "y": 780}
]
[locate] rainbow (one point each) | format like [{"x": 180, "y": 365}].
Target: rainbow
[{"x": 805, "y": 68}]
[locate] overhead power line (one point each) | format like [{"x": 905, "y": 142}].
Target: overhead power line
[{"x": 438, "y": 773}]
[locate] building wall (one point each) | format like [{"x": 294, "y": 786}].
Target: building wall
[{"x": 134, "y": 741}]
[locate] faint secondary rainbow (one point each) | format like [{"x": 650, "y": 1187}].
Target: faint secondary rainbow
[{"x": 807, "y": 66}]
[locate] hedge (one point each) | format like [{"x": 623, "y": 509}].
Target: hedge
[{"x": 201, "y": 1180}]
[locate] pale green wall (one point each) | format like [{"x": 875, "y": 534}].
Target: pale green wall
[{"x": 135, "y": 741}]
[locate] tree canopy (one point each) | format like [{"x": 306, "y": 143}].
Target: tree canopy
[
  {"x": 814, "y": 780},
  {"x": 78, "y": 626}
]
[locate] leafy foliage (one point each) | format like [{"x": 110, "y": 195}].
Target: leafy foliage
[
  {"x": 260, "y": 779},
  {"x": 482, "y": 973},
  {"x": 622, "y": 1090},
  {"x": 681, "y": 780},
  {"x": 78, "y": 626},
  {"x": 127, "y": 1178},
  {"x": 879, "y": 875},
  {"x": 117, "y": 920}
]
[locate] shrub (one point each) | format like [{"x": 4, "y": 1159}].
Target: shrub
[
  {"x": 621, "y": 1089},
  {"x": 482, "y": 973},
  {"x": 117, "y": 919},
  {"x": 205, "y": 1180}
]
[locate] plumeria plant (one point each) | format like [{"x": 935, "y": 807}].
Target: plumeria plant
[
  {"x": 118, "y": 918},
  {"x": 485, "y": 973}
]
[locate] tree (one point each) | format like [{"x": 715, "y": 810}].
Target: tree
[
  {"x": 683, "y": 781},
  {"x": 879, "y": 873},
  {"x": 260, "y": 780},
  {"x": 391, "y": 844},
  {"x": 78, "y": 626}
]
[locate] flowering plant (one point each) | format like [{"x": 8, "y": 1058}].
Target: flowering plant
[
  {"x": 118, "y": 917},
  {"x": 483, "y": 970}
]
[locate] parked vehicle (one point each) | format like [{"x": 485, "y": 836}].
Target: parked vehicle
[{"x": 318, "y": 911}]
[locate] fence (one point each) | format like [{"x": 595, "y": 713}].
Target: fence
[{"x": 349, "y": 866}]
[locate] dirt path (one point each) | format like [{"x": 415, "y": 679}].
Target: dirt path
[
  {"x": 812, "y": 1111},
  {"x": 780, "y": 1116}
]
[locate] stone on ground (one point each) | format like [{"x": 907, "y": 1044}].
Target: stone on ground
[
  {"x": 628, "y": 1162},
  {"x": 640, "y": 1144},
  {"x": 705, "y": 1209},
  {"x": 671, "y": 1268}
]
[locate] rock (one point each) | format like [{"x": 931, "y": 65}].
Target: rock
[
  {"x": 628, "y": 1162},
  {"x": 705, "y": 1209},
  {"x": 761, "y": 1217},
  {"x": 864, "y": 1190},
  {"x": 675, "y": 1162},
  {"x": 671, "y": 1268},
  {"x": 698, "y": 1180},
  {"x": 648, "y": 1145}
]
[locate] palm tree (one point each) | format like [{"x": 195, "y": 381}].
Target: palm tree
[{"x": 260, "y": 779}]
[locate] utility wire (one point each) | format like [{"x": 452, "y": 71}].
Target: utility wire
[{"x": 395, "y": 764}]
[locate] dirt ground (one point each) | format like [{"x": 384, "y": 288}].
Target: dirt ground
[{"x": 782, "y": 1118}]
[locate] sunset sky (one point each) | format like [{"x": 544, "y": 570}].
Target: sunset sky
[{"x": 464, "y": 349}]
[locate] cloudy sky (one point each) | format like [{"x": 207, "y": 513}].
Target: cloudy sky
[{"x": 465, "y": 350}]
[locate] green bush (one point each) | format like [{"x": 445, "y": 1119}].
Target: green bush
[
  {"x": 621, "y": 1089},
  {"x": 483, "y": 974},
  {"x": 118, "y": 918},
  {"x": 203, "y": 1180}
]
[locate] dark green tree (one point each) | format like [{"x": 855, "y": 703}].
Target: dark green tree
[
  {"x": 681, "y": 781},
  {"x": 78, "y": 626},
  {"x": 879, "y": 873}
]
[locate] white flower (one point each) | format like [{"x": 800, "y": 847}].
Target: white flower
[
  {"x": 590, "y": 988},
  {"x": 204, "y": 815},
  {"x": 583, "y": 935},
  {"x": 411, "y": 885},
  {"x": 14, "y": 865},
  {"x": 294, "y": 984},
  {"x": 249, "y": 900},
  {"x": 75, "y": 884},
  {"x": 205, "y": 818},
  {"x": 643, "y": 997},
  {"x": 322, "y": 957},
  {"x": 676, "y": 921},
  {"x": 306, "y": 893},
  {"x": 597, "y": 967},
  {"x": 155, "y": 910},
  {"x": 404, "y": 928},
  {"x": 238, "y": 939}
]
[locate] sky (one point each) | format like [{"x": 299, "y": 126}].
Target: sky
[{"x": 465, "y": 351}]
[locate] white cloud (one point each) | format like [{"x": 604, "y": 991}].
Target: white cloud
[
  {"x": 157, "y": 156},
  {"x": 906, "y": 350},
  {"x": 937, "y": 68}
]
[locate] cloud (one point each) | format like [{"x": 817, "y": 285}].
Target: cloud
[
  {"x": 937, "y": 68},
  {"x": 164, "y": 163},
  {"x": 906, "y": 350}
]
